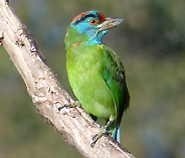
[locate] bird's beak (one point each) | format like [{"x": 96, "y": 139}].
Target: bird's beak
[{"x": 109, "y": 23}]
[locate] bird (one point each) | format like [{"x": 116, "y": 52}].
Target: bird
[{"x": 95, "y": 73}]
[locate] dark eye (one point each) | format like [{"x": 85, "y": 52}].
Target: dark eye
[{"x": 93, "y": 21}]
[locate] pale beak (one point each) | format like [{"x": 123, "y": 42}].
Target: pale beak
[{"x": 109, "y": 23}]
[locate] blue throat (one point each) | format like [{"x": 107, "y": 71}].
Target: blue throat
[{"x": 95, "y": 38}]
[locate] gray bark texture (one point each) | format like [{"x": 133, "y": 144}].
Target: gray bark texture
[{"x": 76, "y": 127}]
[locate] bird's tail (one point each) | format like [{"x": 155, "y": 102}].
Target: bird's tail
[{"x": 116, "y": 133}]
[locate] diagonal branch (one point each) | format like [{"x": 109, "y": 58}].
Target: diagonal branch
[{"x": 47, "y": 94}]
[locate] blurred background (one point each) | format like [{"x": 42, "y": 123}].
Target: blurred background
[{"x": 150, "y": 43}]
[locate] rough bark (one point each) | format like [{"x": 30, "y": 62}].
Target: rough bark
[{"x": 76, "y": 127}]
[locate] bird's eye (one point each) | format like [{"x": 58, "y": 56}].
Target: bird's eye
[{"x": 93, "y": 21}]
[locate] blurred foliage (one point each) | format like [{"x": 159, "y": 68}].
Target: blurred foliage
[{"x": 151, "y": 44}]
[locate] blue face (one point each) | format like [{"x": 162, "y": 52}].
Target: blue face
[{"x": 88, "y": 24}]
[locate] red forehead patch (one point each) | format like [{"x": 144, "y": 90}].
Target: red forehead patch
[
  {"x": 101, "y": 17},
  {"x": 78, "y": 16}
]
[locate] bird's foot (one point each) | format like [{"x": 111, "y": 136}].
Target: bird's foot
[
  {"x": 104, "y": 130},
  {"x": 73, "y": 104},
  {"x": 98, "y": 136}
]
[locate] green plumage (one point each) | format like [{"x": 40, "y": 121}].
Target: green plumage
[{"x": 97, "y": 78}]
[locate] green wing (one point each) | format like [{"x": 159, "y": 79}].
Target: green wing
[{"x": 114, "y": 76}]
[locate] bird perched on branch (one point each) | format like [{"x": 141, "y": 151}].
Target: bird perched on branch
[{"x": 95, "y": 72}]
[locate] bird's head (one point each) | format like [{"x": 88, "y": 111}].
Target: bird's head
[{"x": 89, "y": 27}]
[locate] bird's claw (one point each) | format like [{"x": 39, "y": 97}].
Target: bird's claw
[
  {"x": 98, "y": 136},
  {"x": 73, "y": 104}
]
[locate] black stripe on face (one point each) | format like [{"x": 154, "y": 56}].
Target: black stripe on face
[{"x": 83, "y": 18}]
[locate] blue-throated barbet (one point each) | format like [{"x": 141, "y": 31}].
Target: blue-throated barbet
[{"x": 95, "y": 72}]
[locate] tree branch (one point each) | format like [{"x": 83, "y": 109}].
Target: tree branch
[{"x": 47, "y": 94}]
